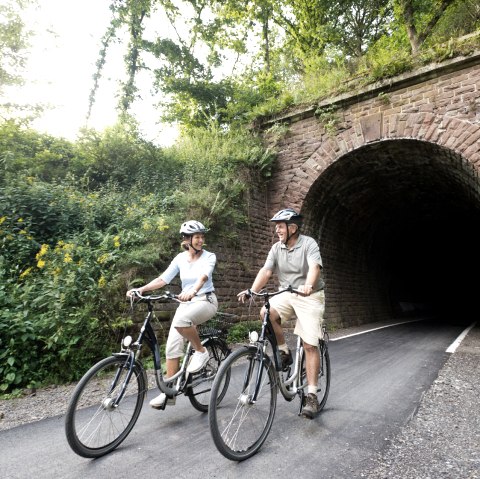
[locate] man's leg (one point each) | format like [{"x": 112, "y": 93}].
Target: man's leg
[
  {"x": 312, "y": 362},
  {"x": 285, "y": 353},
  {"x": 277, "y": 327}
]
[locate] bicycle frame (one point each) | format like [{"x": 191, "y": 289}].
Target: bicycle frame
[
  {"x": 289, "y": 386},
  {"x": 147, "y": 335}
]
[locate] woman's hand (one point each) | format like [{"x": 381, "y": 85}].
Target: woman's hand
[{"x": 187, "y": 295}]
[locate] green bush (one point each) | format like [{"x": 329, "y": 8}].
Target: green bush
[
  {"x": 106, "y": 217},
  {"x": 238, "y": 333}
]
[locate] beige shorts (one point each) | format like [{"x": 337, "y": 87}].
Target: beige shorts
[
  {"x": 197, "y": 311},
  {"x": 307, "y": 309}
]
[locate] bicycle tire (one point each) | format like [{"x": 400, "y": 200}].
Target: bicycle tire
[
  {"x": 323, "y": 375},
  {"x": 200, "y": 384},
  {"x": 238, "y": 427},
  {"x": 93, "y": 427}
]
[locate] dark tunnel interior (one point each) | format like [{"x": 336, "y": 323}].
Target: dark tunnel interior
[{"x": 398, "y": 224}]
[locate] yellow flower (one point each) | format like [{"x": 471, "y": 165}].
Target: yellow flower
[
  {"x": 116, "y": 241},
  {"x": 20, "y": 220},
  {"x": 42, "y": 252},
  {"x": 102, "y": 282},
  {"x": 40, "y": 263},
  {"x": 67, "y": 258},
  {"x": 57, "y": 271},
  {"x": 103, "y": 259},
  {"x": 25, "y": 273},
  {"x": 2, "y": 219},
  {"x": 161, "y": 226}
]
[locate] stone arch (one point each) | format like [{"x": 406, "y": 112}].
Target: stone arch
[{"x": 396, "y": 210}]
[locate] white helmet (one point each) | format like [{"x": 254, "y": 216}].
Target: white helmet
[
  {"x": 288, "y": 216},
  {"x": 192, "y": 227}
]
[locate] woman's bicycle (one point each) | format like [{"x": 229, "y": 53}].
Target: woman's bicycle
[
  {"x": 244, "y": 392},
  {"x": 107, "y": 401}
]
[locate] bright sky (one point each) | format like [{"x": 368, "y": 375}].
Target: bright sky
[{"x": 61, "y": 65}]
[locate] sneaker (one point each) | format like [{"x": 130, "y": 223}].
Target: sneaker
[
  {"x": 161, "y": 401},
  {"x": 286, "y": 358},
  {"x": 198, "y": 361},
  {"x": 311, "y": 406}
]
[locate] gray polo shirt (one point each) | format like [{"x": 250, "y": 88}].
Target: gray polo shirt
[{"x": 291, "y": 265}]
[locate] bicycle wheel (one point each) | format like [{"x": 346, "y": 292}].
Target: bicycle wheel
[
  {"x": 93, "y": 425},
  {"x": 238, "y": 425},
  {"x": 323, "y": 375},
  {"x": 200, "y": 384}
]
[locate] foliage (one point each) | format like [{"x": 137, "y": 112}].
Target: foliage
[
  {"x": 236, "y": 61},
  {"x": 81, "y": 222},
  {"x": 238, "y": 333},
  {"x": 13, "y": 43}
]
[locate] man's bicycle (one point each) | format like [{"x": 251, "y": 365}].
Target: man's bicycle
[
  {"x": 107, "y": 401},
  {"x": 244, "y": 392}
]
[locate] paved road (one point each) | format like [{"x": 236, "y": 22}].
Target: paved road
[{"x": 378, "y": 380}]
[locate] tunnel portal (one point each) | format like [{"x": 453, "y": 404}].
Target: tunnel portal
[{"x": 398, "y": 225}]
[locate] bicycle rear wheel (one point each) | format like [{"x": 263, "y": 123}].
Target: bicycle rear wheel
[
  {"x": 200, "y": 384},
  {"x": 238, "y": 425},
  {"x": 93, "y": 425},
  {"x": 323, "y": 375}
]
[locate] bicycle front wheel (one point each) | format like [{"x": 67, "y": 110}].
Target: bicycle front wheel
[
  {"x": 94, "y": 425},
  {"x": 200, "y": 384},
  {"x": 238, "y": 424}
]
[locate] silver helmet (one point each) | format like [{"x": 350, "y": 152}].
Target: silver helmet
[
  {"x": 288, "y": 215},
  {"x": 192, "y": 227}
]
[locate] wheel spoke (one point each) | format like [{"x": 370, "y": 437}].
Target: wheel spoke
[
  {"x": 94, "y": 426},
  {"x": 239, "y": 425}
]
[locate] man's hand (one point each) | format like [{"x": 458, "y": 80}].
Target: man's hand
[
  {"x": 243, "y": 295},
  {"x": 306, "y": 289}
]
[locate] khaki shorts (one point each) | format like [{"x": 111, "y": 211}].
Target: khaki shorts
[
  {"x": 197, "y": 311},
  {"x": 308, "y": 310}
]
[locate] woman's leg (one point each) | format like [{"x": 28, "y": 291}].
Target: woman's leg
[
  {"x": 191, "y": 334},
  {"x": 173, "y": 351}
]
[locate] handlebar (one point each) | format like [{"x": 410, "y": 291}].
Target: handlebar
[
  {"x": 266, "y": 294},
  {"x": 164, "y": 297}
]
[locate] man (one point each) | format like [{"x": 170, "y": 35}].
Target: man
[{"x": 297, "y": 262}]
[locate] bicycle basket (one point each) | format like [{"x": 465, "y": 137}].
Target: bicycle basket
[{"x": 217, "y": 326}]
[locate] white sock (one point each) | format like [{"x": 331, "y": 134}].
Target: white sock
[
  {"x": 283, "y": 347},
  {"x": 312, "y": 389}
]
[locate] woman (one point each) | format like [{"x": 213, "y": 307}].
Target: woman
[{"x": 195, "y": 266}]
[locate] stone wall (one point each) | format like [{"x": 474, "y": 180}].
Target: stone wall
[{"x": 402, "y": 150}]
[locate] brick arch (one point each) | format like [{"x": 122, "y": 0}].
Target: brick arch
[
  {"x": 460, "y": 136},
  {"x": 391, "y": 191},
  {"x": 367, "y": 200}
]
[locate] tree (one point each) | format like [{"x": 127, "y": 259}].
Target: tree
[
  {"x": 13, "y": 45},
  {"x": 13, "y": 42},
  {"x": 420, "y": 18}
]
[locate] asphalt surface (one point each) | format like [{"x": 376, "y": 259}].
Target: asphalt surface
[{"x": 379, "y": 380}]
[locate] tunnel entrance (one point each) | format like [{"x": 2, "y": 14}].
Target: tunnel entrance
[{"x": 398, "y": 225}]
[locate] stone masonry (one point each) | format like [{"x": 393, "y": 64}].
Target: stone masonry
[{"x": 377, "y": 190}]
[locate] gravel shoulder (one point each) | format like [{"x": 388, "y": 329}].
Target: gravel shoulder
[{"x": 441, "y": 440}]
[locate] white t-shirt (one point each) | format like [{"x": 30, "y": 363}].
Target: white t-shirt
[{"x": 190, "y": 272}]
